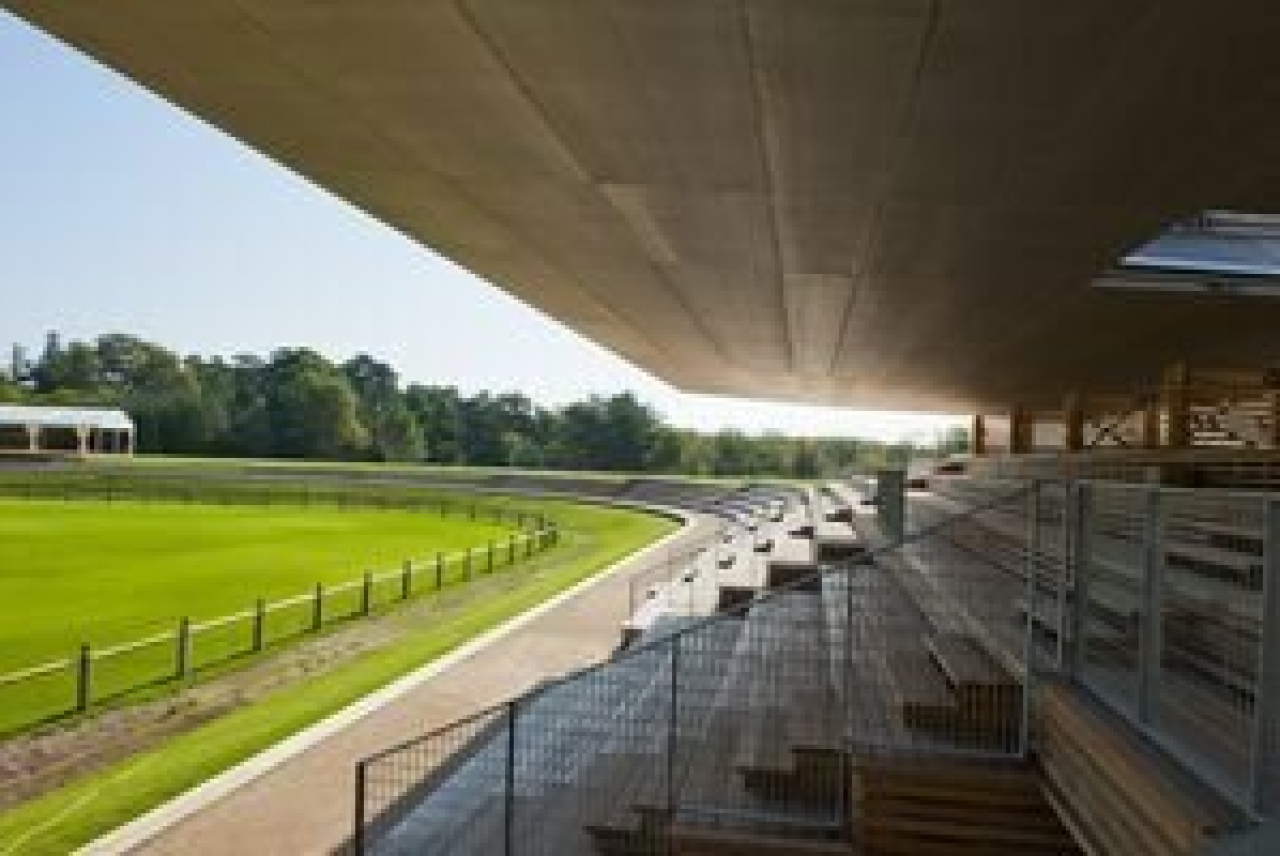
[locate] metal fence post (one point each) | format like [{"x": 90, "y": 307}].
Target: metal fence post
[
  {"x": 1029, "y": 633},
  {"x": 439, "y": 571},
  {"x": 366, "y": 593},
  {"x": 1080, "y": 578},
  {"x": 406, "y": 580},
  {"x": 362, "y": 785},
  {"x": 511, "y": 549},
  {"x": 259, "y": 624},
  {"x": 182, "y": 656},
  {"x": 489, "y": 559},
  {"x": 672, "y": 729},
  {"x": 1065, "y": 573},
  {"x": 1264, "y": 773},
  {"x": 1149, "y": 641},
  {"x": 466, "y": 574},
  {"x": 317, "y": 608},
  {"x": 509, "y": 788},
  {"x": 528, "y": 544},
  {"x": 84, "y": 678}
]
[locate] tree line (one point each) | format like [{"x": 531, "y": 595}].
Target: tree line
[{"x": 296, "y": 403}]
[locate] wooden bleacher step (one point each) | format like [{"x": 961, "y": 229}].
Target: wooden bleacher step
[
  {"x": 988, "y": 698},
  {"x": 697, "y": 841},
  {"x": 920, "y": 691},
  {"x": 938, "y": 806}
]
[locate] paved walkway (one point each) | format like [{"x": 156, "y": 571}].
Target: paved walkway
[{"x": 305, "y": 805}]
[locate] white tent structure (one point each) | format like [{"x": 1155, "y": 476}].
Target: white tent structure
[{"x": 26, "y": 430}]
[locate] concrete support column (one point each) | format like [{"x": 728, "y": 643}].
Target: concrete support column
[
  {"x": 33, "y": 438},
  {"x": 1177, "y": 406},
  {"x": 82, "y": 440},
  {"x": 978, "y": 436}
]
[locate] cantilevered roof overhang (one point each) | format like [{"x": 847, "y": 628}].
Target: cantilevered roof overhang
[{"x": 895, "y": 203}]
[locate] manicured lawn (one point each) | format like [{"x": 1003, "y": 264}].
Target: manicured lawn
[
  {"x": 104, "y": 573},
  {"x": 593, "y": 538},
  {"x": 111, "y": 573}
]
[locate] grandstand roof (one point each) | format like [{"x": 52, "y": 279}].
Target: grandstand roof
[
  {"x": 902, "y": 204},
  {"x": 65, "y": 417}
]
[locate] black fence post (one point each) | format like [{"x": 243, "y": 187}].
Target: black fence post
[
  {"x": 317, "y": 608},
  {"x": 671, "y": 730},
  {"x": 511, "y": 549},
  {"x": 182, "y": 656},
  {"x": 366, "y": 593},
  {"x": 406, "y": 580},
  {"x": 357, "y": 837},
  {"x": 466, "y": 570},
  {"x": 509, "y": 788},
  {"x": 489, "y": 560},
  {"x": 84, "y": 678},
  {"x": 259, "y": 624},
  {"x": 439, "y": 571}
]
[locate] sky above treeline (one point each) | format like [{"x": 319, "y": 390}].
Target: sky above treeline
[{"x": 120, "y": 213}]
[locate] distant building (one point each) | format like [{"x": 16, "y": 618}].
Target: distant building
[{"x": 64, "y": 431}]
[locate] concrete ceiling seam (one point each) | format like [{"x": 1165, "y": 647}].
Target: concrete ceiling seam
[
  {"x": 457, "y": 186},
  {"x": 894, "y": 153},
  {"x": 767, "y": 175},
  {"x": 526, "y": 92}
]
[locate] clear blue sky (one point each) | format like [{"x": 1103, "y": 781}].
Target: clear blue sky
[{"x": 120, "y": 213}]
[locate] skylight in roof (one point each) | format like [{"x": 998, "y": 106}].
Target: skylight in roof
[{"x": 1224, "y": 252}]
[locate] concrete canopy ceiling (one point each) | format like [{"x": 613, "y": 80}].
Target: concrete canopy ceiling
[{"x": 889, "y": 203}]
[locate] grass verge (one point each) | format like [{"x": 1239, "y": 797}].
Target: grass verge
[{"x": 69, "y": 817}]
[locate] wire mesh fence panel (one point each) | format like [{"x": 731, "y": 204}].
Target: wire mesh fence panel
[
  {"x": 222, "y": 639},
  {"x": 123, "y": 669},
  {"x": 445, "y": 793},
  {"x": 1112, "y": 611},
  {"x": 37, "y": 695},
  {"x": 1211, "y": 606},
  {"x": 593, "y": 753},
  {"x": 286, "y": 619},
  {"x": 759, "y": 739}
]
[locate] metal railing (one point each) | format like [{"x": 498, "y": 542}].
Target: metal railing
[
  {"x": 744, "y": 721},
  {"x": 1177, "y": 625}
]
